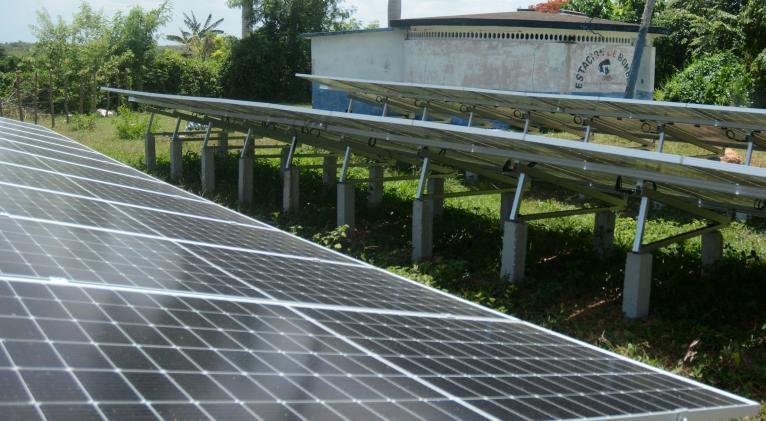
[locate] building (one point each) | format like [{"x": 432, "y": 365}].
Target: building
[{"x": 563, "y": 53}]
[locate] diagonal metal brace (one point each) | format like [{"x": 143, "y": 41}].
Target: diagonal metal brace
[{"x": 720, "y": 221}]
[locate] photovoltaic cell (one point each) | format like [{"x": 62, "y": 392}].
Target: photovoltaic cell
[{"x": 115, "y": 306}]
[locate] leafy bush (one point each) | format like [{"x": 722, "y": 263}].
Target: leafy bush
[
  {"x": 83, "y": 122},
  {"x": 720, "y": 79},
  {"x": 130, "y": 124},
  {"x": 175, "y": 74}
]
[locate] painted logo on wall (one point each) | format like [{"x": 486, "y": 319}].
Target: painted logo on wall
[{"x": 603, "y": 66}]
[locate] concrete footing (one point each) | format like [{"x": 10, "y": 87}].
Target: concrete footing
[
  {"x": 176, "y": 159},
  {"x": 207, "y": 175},
  {"x": 436, "y": 187},
  {"x": 514, "y": 257},
  {"x": 422, "y": 229},
  {"x": 290, "y": 189},
  {"x": 506, "y": 205},
  {"x": 345, "y": 212},
  {"x": 329, "y": 170},
  {"x": 223, "y": 143},
  {"x": 150, "y": 151},
  {"x": 638, "y": 285},
  {"x": 375, "y": 186},
  {"x": 245, "y": 182},
  {"x": 712, "y": 249},
  {"x": 603, "y": 232}
]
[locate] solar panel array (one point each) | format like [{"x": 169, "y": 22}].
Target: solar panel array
[
  {"x": 595, "y": 167},
  {"x": 122, "y": 297},
  {"x": 708, "y": 127}
]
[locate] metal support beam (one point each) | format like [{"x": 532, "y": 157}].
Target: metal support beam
[
  {"x": 588, "y": 133},
  {"x": 207, "y": 163},
  {"x": 290, "y": 179},
  {"x": 506, "y": 202},
  {"x": 470, "y": 118},
  {"x": 385, "y": 109},
  {"x": 750, "y": 147},
  {"x": 150, "y": 146},
  {"x": 422, "y": 219},
  {"x": 375, "y": 186},
  {"x": 638, "y": 266},
  {"x": 515, "y": 235},
  {"x": 245, "y": 182},
  {"x": 344, "y": 167},
  {"x": 661, "y": 141},
  {"x": 517, "y": 197},
  {"x": 350, "y": 108},
  {"x": 176, "y": 154}
]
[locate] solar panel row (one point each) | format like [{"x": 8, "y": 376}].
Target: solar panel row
[
  {"x": 708, "y": 127},
  {"x": 119, "y": 310}
]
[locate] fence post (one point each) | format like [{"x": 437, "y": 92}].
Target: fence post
[
  {"x": 66, "y": 98},
  {"x": 50, "y": 98},
  {"x": 35, "y": 95},
  {"x": 18, "y": 96}
]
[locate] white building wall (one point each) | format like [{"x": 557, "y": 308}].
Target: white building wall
[{"x": 370, "y": 55}]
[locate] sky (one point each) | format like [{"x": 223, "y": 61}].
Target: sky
[{"x": 17, "y": 18}]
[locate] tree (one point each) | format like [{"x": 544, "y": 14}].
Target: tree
[
  {"x": 276, "y": 50},
  {"x": 719, "y": 79},
  {"x": 601, "y": 9},
  {"x": 249, "y": 17},
  {"x": 137, "y": 33},
  {"x": 550, "y": 6},
  {"x": 199, "y": 40}
]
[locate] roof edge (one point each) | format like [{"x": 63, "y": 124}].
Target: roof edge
[
  {"x": 354, "y": 31},
  {"x": 519, "y": 23}
]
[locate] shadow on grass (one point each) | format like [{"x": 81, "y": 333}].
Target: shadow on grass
[{"x": 712, "y": 327}]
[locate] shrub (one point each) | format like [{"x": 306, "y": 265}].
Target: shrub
[
  {"x": 83, "y": 122},
  {"x": 719, "y": 79},
  {"x": 131, "y": 125}
]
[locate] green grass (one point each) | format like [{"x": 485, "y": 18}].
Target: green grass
[{"x": 711, "y": 328}]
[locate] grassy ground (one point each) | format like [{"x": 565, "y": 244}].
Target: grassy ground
[{"x": 711, "y": 328}]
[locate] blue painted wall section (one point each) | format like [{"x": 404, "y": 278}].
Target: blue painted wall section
[{"x": 332, "y": 100}]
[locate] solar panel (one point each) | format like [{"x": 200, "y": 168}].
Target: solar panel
[
  {"x": 707, "y": 183},
  {"x": 709, "y": 127},
  {"x": 99, "y": 320}
]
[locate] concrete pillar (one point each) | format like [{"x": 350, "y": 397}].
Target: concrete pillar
[
  {"x": 207, "y": 155},
  {"x": 223, "y": 143},
  {"x": 345, "y": 211},
  {"x": 245, "y": 184},
  {"x": 506, "y": 204},
  {"x": 436, "y": 186},
  {"x": 422, "y": 229},
  {"x": 176, "y": 159},
  {"x": 150, "y": 151},
  {"x": 329, "y": 170},
  {"x": 638, "y": 285},
  {"x": 712, "y": 249},
  {"x": 375, "y": 186},
  {"x": 514, "y": 257},
  {"x": 603, "y": 232},
  {"x": 290, "y": 189}
]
